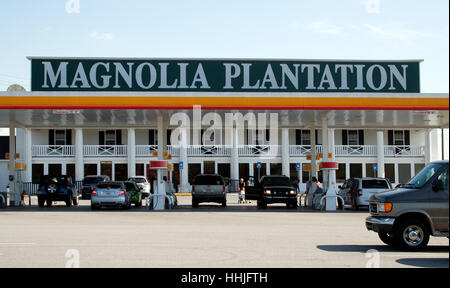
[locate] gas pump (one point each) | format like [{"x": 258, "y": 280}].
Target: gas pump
[
  {"x": 331, "y": 195},
  {"x": 159, "y": 194}
]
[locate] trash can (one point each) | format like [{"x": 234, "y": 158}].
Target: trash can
[{"x": 3, "y": 199}]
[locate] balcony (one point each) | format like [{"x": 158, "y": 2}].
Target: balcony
[
  {"x": 225, "y": 151},
  {"x": 404, "y": 151},
  {"x": 53, "y": 151}
]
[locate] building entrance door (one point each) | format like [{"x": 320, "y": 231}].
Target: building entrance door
[
  {"x": 209, "y": 167},
  {"x": 106, "y": 169}
]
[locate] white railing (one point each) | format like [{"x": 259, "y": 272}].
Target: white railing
[
  {"x": 303, "y": 150},
  {"x": 356, "y": 150},
  {"x": 146, "y": 150},
  {"x": 105, "y": 150},
  {"x": 259, "y": 150},
  {"x": 404, "y": 151},
  {"x": 173, "y": 150},
  {"x": 225, "y": 151},
  {"x": 53, "y": 151},
  {"x": 209, "y": 150}
]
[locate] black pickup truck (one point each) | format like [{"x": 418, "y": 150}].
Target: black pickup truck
[{"x": 272, "y": 189}]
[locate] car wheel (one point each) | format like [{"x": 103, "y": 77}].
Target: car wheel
[
  {"x": 41, "y": 201},
  {"x": 412, "y": 234},
  {"x": 261, "y": 204},
  {"x": 94, "y": 207},
  {"x": 388, "y": 239},
  {"x": 294, "y": 205}
]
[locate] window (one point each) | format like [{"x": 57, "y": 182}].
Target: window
[
  {"x": 110, "y": 137},
  {"x": 152, "y": 137},
  {"x": 444, "y": 178},
  {"x": 375, "y": 184},
  {"x": 399, "y": 137},
  {"x": 303, "y": 137},
  {"x": 60, "y": 137},
  {"x": 353, "y": 137}
]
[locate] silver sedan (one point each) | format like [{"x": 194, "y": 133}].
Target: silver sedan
[{"x": 110, "y": 194}]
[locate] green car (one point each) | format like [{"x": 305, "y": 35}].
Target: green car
[{"x": 135, "y": 193}]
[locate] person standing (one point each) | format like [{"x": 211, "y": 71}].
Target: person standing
[{"x": 241, "y": 190}]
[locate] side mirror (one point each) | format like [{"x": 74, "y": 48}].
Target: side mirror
[{"x": 437, "y": 185}]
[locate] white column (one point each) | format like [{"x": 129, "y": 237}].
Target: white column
[
  {"x": 313, "y": 153},
  {"x": 251, "y": 169},
  {"x": 347, "y": 170},
  {"x": 285, "y": 152},
  {"x": 234, "y": 156},
  {"x": 113, "y": 171},
  {"x": 380, "y": 154},
  {"x": 63, "y": 168},
  {"x": 79, "y": 162},
  {"x": 267, "y": 168},
  {"x": 14, "y": 197},
  {"x": 28, "y": 156},
  {"x": 325, "y": 150},
  {"x": 162, "y": 137},
  {"x": 428, "y": 151},
  {"x": 396, "y": 178},
  {"x": 131, "y": 152},
  {"x": 184, "y": 177}
]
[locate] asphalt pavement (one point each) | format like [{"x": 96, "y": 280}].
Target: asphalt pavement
[{"x": 210, "y": 236}]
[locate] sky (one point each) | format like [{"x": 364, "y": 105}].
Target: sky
[{"x": 347, "y": 29}]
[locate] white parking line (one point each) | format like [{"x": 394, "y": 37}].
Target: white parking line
[{"x": 18, "y": 244}]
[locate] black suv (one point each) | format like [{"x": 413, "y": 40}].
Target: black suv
[
  {"x": 273, "y": 189},
  {"x": 57, "y": 188},
  {"x": 89, "y": 183}
]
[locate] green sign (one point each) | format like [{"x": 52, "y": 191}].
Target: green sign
[{"x": 223, "y": 75}]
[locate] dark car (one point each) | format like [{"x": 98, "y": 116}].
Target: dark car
[
  {"x": 89, "y": 183},
  {"x": 209, "y": 188},
  {"x": 273, "y": 189},
  {"x": 57, "y": 188},
  {"x": 408, "y": 215}
]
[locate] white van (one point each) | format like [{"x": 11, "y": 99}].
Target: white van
[{"x": 363, "y": 188}]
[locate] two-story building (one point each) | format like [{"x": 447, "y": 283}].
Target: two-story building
[{"x": 113, "y": 116}]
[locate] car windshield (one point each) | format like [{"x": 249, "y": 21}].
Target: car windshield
[
  {"x": 92, "y": 180},
  {"x": 423, "y": 176},
  {"x": 208, "y": 180},
  {"x": 276, "y": 181},
  {"x": 109, "y": 186},
  {"x": 375, "y": 184},
  {"x": 138, "y": 180}
]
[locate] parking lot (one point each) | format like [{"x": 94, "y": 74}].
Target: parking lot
[{"x": 210, "y": 236}]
